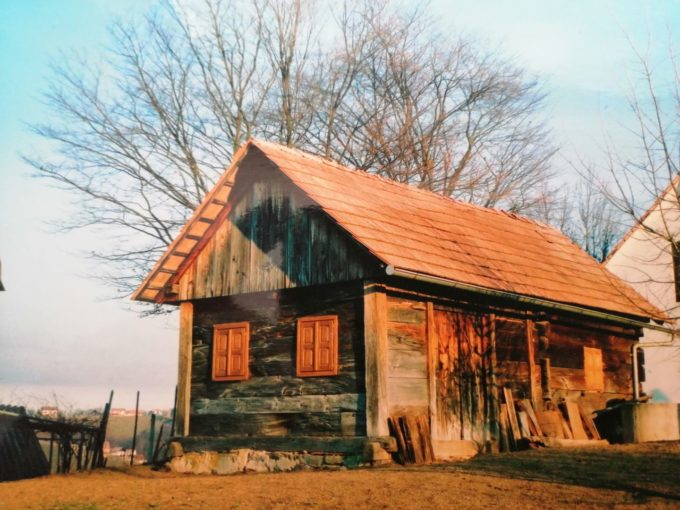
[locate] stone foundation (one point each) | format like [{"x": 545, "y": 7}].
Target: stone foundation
[{"x": 245, "y": 460}]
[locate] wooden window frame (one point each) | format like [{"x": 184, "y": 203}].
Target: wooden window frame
[
  {"x": 334, "y": 346},
  {"x": 218, "y": 328}
]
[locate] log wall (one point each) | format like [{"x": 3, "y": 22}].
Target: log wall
[
  {"x": 564, "y": 351},
  {"x": 567, "y": 371},
  {"x": 273, "y": 401}
]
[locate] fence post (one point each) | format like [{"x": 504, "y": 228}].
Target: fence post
[{"x": 134, "y": 433}]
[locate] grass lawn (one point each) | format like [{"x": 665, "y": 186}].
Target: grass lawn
[{"x": 628, "y": 475}]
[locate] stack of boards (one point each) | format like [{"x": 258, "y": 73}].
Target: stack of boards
[
  {"x": 412, "y": 433},
  {"x": 521, "y": 426}
]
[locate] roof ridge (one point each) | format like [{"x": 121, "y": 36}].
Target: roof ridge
[
  {"x": 386, "y": 180},
  {"x": 467, "y": 254}
]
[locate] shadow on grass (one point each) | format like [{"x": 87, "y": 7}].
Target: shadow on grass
[{"x": 643, "y": 470}]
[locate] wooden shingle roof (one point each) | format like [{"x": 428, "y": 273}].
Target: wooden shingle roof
[{"x": 422, "y": 232}]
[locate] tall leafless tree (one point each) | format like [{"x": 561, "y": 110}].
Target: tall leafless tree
[
  {"x": 595, "y": 224},
  {"x": 142, "y": 138},
  {"x": 641, "y": 182}
]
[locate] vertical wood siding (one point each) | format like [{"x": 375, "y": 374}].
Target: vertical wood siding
[
  {"x": 407, "y": 383},
  {"x": 463, "y": 376},
  {"x": 274, "y": 237},
  {"x": 474, "y": 356},
  {"x": 273, "y": 401}
]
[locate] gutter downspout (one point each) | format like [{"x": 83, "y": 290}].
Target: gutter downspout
[
  {"x": 634, "y": 350},
  {"x": 551, "y": 305}
]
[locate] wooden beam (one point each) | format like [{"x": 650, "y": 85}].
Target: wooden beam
[
  {"x": 432, "y": 354},
  {"x": 350, "y": 445},
  {"x": 495, "y": 411},
  {"x": 534, "y": 374},
  {"x": 202, "y": 242},
  {"x": 545, "y": 379},
  {"x": 155, "y": 287},
  {"x": 574, "y": 415},
  {"x": 512, "y": 416},
  {"x": 375, "y": 342},
  {"x": 186, "y": 319}
]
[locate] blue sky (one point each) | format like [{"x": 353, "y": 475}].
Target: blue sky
[{"x": 59, "y": 334}]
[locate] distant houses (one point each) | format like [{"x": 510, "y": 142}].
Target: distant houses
[
  {"x": 121, "y": 411},
  {"x": 51, "y": 412}
]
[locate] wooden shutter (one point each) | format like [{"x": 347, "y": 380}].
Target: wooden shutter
[
  {"x": 593, "y": 369},
  {"x": 317, "y": 346},
  {"x": 230, "y": 351},
  {"x": 306, "y": 346}
]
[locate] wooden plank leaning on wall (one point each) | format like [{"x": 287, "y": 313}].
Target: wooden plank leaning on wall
[
  {"x": 186, "y": 319},
  {"x": 375, "y": 341},
  {"x": 432, "y": 359},
  {"x": 534, "y": 368}
]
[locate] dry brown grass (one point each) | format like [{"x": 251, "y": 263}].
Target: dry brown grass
[{"x": 645, "y": 475}]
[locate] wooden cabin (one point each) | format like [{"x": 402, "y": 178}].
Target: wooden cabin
[{"x": 318, "y": 301}]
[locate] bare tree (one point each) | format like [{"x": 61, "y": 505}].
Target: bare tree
[
  {"x": 141, "y": 140},
  {"x": 642, "y": 177},
  {"x": 450, "y": 118},
  {"x": 593, "y": 222},
  {"x": 641, "y": 182}
]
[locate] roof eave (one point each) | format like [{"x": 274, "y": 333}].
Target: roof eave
[
  {"x": 542, "y": 303},
  {"x": 161, "y": 295}
]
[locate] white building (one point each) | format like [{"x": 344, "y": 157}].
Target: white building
[{"x": 649, "y": 262}]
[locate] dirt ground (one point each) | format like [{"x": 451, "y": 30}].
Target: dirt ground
[{"x": 616, "y": 476}]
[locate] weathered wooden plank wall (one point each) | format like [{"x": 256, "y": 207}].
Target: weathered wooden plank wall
[
  {"x": 274, "y": 237},
  {"x": 512, "y": 366},
  {"x": 274, "y": 402},
  {"x": 463, "y": 374},
  {"x": 477, "y": 353},
  {"x": 407, "y": 389}
]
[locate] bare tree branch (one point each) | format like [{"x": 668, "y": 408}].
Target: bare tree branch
[{"x": 140, "y": 141}]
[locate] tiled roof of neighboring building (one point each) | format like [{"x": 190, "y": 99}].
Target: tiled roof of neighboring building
[{"x": 422, "y": 232}]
